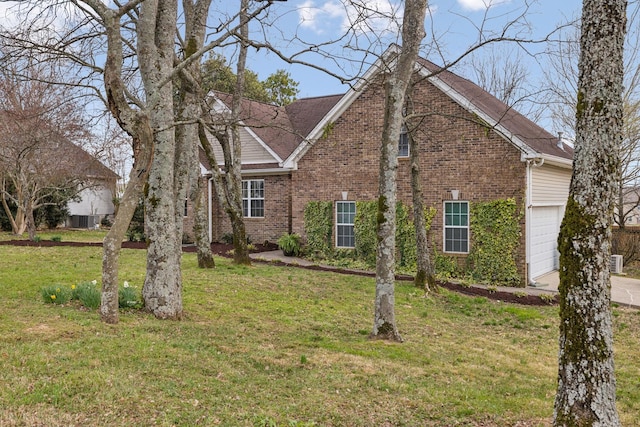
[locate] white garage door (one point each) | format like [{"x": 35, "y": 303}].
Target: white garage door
[{"x": 545, "y": 226}]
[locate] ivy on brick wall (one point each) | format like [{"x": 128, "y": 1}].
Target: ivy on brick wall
[
  {"x": 364, "y": 228},
  {"x": 366, "y": 237},
  {"x": 495, "y": 227},
  {"x": 318, "y": 226}
]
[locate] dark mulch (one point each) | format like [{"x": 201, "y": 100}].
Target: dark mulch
[
  {"x": 223, "y": 249},
  {"x": 217, "y": 248}
]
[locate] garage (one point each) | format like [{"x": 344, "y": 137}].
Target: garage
[{"x": 545, "y": 226}]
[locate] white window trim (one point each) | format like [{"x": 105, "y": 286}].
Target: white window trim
[
  {"x": 249, "y": 198},
  {"x": 404, "y": 132},
  {"x": 445, "y": 227},
  {"x": 343, "y": 223}
]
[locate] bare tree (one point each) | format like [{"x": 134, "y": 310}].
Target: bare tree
[
  {"x": 384, "y": 324},
  {"x": 586, "y": 393},
  {"x": 38, "y": 159},
  {"x": 425, "y": 272},
  {"x": 561, "y": 79},
  {"x": 188, "y": 108}
]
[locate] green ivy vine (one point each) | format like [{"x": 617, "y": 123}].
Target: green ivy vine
[
  {"x": 495, "y": 227},
  {"x": 318, "y": 226}
]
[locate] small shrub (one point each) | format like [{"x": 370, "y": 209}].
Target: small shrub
[
  {"x": 56, "y": 238},
  {"x": 106, "y": 222},
  {"x": 55, "y": 294},
  {"x": 37, "y": 239},
  {"x": 87, "y": 293},
  {"x": 228, "y": 239},
  {"x": 128, "y": 297},
  {"x": 548, "y": 298},
  {"x": 290, "y": 244}
]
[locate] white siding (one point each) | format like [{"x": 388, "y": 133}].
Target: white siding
[
  {"x": 94, "y": 201},
  {"x": 253, "y": 152},
  {"x": 549, "y": 192},
  {"x": 550, "y": 185}
]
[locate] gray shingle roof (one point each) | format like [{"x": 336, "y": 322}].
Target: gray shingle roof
[{"x": 534, "y": 136}]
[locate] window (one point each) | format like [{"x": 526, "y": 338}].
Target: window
[
  {"x": 253, "y": 198},
  {"x": 456, "y": 227},
  {"x": 345, "y": 216},
  {"x": 403, "y": 143}
]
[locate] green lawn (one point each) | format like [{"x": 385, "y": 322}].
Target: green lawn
[{"x": 269, "y": 345}]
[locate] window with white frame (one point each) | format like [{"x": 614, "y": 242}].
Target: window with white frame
[
  {"x": 403, "y": 143},
  {"x": 345, "y": 218},
  {"x": 253, "y": 198},
  {"x": 456, "y": 227}
]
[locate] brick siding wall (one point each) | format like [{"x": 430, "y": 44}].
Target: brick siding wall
[
  {"x": 276, "y": 221},
  {"x": 455, "y": 153}
]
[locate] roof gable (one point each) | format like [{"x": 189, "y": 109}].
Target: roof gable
[
  {"x": 280, "y": 130},
  {"x": 531, "y": 139}
]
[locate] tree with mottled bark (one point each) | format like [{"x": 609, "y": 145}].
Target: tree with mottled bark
[
  {"x": 425, "y": 272},
  {"x": 228, "y": 184},
  {"x": 586, "y": 394},
  {"x": 188, "y": 108},
  {"x": 384, "y": 323}
]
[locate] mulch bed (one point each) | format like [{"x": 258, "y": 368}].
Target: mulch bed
[
  {"x": 222, "y": 249},
  {"x": 217, "y": 248}
]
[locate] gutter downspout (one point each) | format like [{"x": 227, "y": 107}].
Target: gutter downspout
[
  {"x": 531, "y": 163},
  {"x": 210, "y": 209}
]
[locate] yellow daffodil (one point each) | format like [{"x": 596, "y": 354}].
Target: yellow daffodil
[{"x": 53, "y": 297}]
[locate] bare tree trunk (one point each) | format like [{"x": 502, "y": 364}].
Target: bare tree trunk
[
  {"x": 190, "y": 107},
  {"x": 229, "y": 187},
  {"x": 384, "y": 324},
  {"x": 200, "y": 226},
  {"x": 586, "y": 393},
  {"x": 113, "y": 240},
  {"x": 162, "y": 290},
  {"x": 234, "y": 181},
  {"x": 425, "y": 276},
  {"x": 30, "y": 220},
  {"x": 18, "y": 223}
]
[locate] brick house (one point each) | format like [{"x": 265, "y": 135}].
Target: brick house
[{"x": 473, "y": 148}]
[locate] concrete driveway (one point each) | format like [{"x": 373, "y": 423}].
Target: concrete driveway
[{"x": 624, "y": 290}]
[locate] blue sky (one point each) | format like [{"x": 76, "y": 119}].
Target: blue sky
[{"x": 455, "y": 24}]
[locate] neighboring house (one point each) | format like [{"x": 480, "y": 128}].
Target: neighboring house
[
  {"x": 99, "y": 189},
  {"x": 473, "y": 148},
  {"x": 631, "y": 206}
]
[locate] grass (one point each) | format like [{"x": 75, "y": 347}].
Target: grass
[{"x": 269, "y": 345}]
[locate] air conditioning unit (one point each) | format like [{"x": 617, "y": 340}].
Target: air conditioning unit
[{"x": 616, "y": 264}]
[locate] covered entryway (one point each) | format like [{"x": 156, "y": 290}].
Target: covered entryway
[{"x": 545, "y": 226}]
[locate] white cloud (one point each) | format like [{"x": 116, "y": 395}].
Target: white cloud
[
  {"x": 315, "y": 18},
  {"x": 363, "y": 15},
  {"x": 475, "y": 5}
]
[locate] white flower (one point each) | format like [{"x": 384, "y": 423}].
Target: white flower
[
  {"x": 95, "y": 282},
  {"x": 126, "y": 284}
]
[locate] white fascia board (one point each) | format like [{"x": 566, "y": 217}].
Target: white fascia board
[
  {"x": 338, "y": 109},
  {"x": 557, "y": 161},
  {"x": 257, "y": 172},
  {"x": 527, "y": 152},
  {"x": 266, "y": 172}
]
